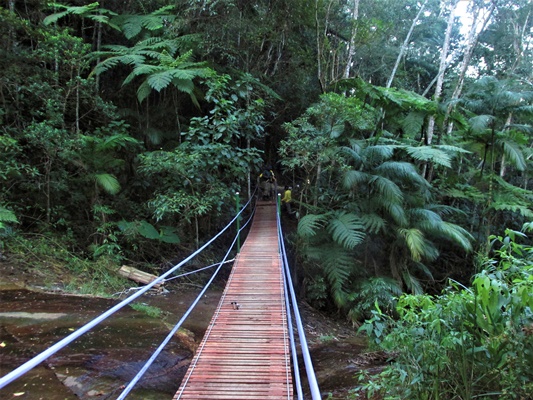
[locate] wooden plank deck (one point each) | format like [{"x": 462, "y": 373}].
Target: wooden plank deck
[{"x": 245, "y": 351}]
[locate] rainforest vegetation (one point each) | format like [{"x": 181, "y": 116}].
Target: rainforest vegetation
[{"x": 405, "y": 128}]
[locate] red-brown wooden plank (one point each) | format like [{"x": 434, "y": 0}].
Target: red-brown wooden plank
[{"x": 245, "y": 352}]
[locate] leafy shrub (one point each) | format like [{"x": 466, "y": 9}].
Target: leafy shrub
[{"x": 466, "y": 343}]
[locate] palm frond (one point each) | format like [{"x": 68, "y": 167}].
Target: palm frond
[
  {"x": 456, "y": 234},
  {"x": 310, "y": 224},
  {"x": 424, "y": 215},
  {"x": 412, "y": 282},
  {"x": 480, "y": 123},
  {"x": 416, "y": 242},
  {"x": 380, "y": 152},
  {"x": 513, "y": 153},
  {"x": 354, "y": 152},
  {"x": 353, "y": 178},
  {"x": 346, "y": 229},
  {"x": 401, "y": 170},
  {"x": 390, "y": 191},
  {"x": 373, "y": 223},
  {"x": 397, "y": 213}
]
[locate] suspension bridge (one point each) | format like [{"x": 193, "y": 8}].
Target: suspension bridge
[{"x": 249, "y": 350}]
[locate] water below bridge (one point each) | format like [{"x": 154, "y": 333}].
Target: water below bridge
[{"x": 99, "y": 364}]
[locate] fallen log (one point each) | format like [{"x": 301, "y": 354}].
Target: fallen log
[{"x": 138, "y": 276}]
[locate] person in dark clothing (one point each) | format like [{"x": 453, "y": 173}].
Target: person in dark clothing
[{"x": 267, "y": 183}]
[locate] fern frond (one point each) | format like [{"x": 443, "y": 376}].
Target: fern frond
[
  {"x": 452, "y": 150},
  {"x": 160, "y": 80},
  {"x": 143, "y": 91},
  {"x": 412, "y": 123},
  {"x": 431, "y": 154},
  {"x": 338, "y": 266},
  {"x": 310, "y": 224},
  {"x": 480, "y": 123},
  {"x": 7, "y": 215},
  {"x": 346, "y": 230},
  {"x": 108, "y": 182}
]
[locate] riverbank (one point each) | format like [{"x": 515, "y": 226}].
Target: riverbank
[{"x": 35, "y": 316}]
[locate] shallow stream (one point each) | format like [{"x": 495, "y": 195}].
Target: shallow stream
[{"x": 100, "y": 363}]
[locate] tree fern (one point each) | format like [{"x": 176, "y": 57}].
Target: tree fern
[{"x": 346, "y": 229}]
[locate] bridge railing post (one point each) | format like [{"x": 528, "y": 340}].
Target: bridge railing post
[{"x": 237, "y": 209}]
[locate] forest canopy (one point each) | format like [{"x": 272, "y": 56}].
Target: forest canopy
[{"x": 403, "y": 126}]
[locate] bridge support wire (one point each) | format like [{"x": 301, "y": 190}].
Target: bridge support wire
[
  {"x": 313, "y": 384},
  {"x": 29, "y": 365},
  {"x": 156, "y": 353}
]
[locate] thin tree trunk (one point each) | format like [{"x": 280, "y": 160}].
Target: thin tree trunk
[
  {"x": 472, "y": 41},
  {"x": 405, "y": 44},
  {"x": 442, "y": 67},
  {"x": 351, "y": 47}
]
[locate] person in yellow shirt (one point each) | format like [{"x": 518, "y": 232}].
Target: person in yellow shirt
[{"x": 287, "y": 198}]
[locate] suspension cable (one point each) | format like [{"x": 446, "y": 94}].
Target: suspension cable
[
  {"x": 145, "y": 367},
  {"x": 311, "y": 377},
  {"x": 27, "y": 366}
]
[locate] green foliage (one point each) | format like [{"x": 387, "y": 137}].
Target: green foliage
[
  {"x": 151, "y": 311},
  {"x": 466, "y": 343}
]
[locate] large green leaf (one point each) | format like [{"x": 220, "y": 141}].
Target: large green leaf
[
  {"x": 346, "y": 229},
  {"x": 7, "y": 215},
  {"x": 108, "y": 183},
  {"x": 431, "y": 154},
  {"x": 310, "y": 224},
  {"x": 159, "y": 80}
]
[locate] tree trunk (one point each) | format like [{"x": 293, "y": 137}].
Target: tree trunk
[
  {"x": 469, "y": 51},
  {"x": 405, "y": 44},
  {"x": 351, "y": 46},
  {"x": 442, "y": 67}
]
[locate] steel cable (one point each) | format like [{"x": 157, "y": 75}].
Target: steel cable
[{"x": 27, "y": 366}]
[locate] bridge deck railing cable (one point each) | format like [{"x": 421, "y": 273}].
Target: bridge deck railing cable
[
  {"x": 149, "y": 362},
  {"x": 311, "y": 376},
  {"x": 32, "y": 363}
]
